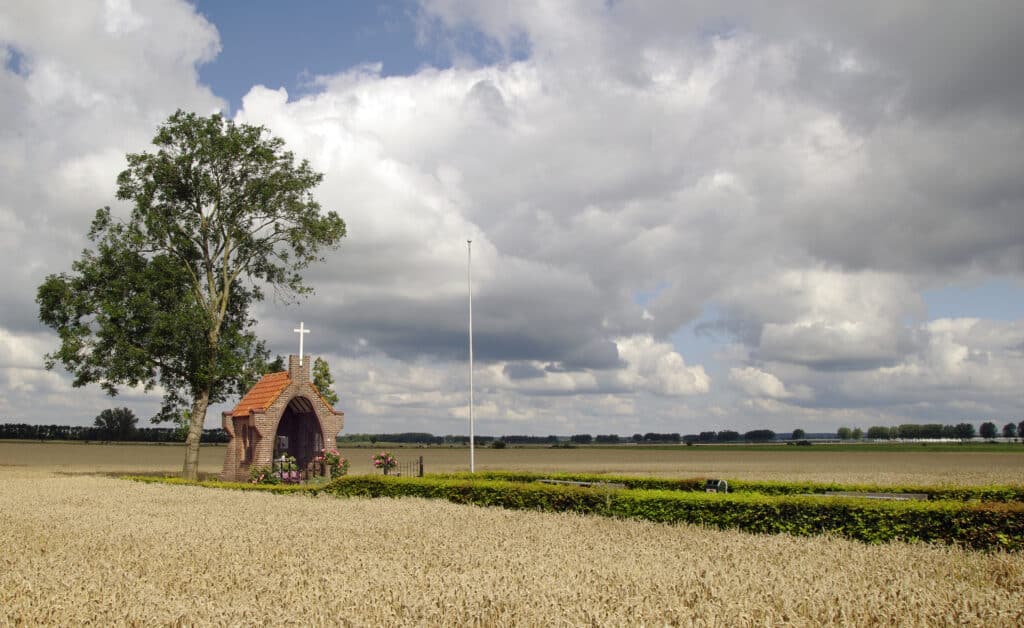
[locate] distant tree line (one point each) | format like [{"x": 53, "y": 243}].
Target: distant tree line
[
  {"x": 962, "y": 430},
  {"x": 655, "y": 437},
  {"x": 519, "y": 439},
  {"x": 400, "y": 437},
  {"x": 23, "y": 431},
  {"x": 729, "y": 436},
  {"x": 118, "y": 424},
  {"x": 113, "y": 424}
]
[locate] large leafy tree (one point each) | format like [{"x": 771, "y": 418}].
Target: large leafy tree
[
  {"x": 988, "y": 430},
  {"x": 220, "y": 211},
  {"x": 116, "y": 423}
]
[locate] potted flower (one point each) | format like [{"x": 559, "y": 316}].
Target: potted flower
[
  {"x": 334, "y": 464},
  {"x": 385, "y": 461},
  {"x": 287, "y": 469}
]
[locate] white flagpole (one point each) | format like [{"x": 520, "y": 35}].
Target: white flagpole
[{"x": 469, "y": 281}]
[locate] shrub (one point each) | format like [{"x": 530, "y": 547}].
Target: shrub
[
  {"x": 263, "y": 475},
  {"x": 971, "y": 524},
  {"x": 974, "y": 525},
  {"x": 993, "y": 493}
]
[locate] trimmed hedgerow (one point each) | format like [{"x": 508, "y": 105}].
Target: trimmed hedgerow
[
  {"x": 994, "y": 493},
  {"x": 974, "y": 525}
]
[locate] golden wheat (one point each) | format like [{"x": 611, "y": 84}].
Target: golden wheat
[{"x": 78, "y": 550}]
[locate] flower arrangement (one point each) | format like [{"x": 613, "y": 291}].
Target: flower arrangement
[
  {"x": 287, "y": 469},
  {"x": 332, "y": 459},
  {"x": 385, "y": 461}
]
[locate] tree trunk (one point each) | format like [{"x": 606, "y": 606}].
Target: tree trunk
[{"x": 195, "y": 431}]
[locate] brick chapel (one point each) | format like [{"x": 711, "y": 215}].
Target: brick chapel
[{"x": 280, "y": 404}]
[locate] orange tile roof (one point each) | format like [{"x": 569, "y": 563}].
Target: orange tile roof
[{"x": 264, "y": 393}]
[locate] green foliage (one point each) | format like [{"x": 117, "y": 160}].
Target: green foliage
[
  {"x": 964, "y": 430},
  {"x": 857, "y": 433},
  {"x": 798, "y": 434},
  {"x": 988, "y": 430},
  {"x": 1009, "y": 430},
  {"x": 218, "y": 211},
  {"x": 263, "y": 475},
  {"x": 116, "y": 423},
  {"x": 994, "y": 493},
  {"x": 970, "y": 524},
  {"x": 978, "y": 526},
  {"x": 284, "y": 489},
  {"x": 323, "y": 381},
  {"x": 498, "y": 444},
  {"x": 844, "y": 433},
  {"x": 759, "y": 435},
  {"x": 879, "y": 432}
]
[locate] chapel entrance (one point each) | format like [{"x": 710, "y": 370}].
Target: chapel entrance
[{"x": 301, "y": 432}]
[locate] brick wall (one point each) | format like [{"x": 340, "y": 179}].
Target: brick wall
[{"x": 265, "y": 422}]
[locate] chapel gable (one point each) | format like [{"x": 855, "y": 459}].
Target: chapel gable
[{"x": 282, "y": 414}]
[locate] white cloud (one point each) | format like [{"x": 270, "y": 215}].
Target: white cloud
[
  {"x": 799, "y": 177},
  {"x": 654, "y": 366},
  {"x": 758, "y": 383}
]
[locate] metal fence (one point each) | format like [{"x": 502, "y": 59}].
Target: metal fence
[
  {"x": 298, "y": 476},
  {"x": 407, "y": 469}
]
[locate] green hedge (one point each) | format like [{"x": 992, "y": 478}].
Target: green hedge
[
  {"x": 974, "y": 525},
  {"x": 994, "y": 493}
]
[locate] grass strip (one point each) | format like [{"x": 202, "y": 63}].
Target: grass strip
[{"x": 993, "y": 493}]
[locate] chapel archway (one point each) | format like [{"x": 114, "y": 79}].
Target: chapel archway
[
  {"x": 302, "y": 433},
  {"x": 283, "y": 404}
]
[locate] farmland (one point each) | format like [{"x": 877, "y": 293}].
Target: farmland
[
  {"x": 91, "y": 549},
  {"x": 87, "y": 549},
  {"x": 870, "y": 466}
]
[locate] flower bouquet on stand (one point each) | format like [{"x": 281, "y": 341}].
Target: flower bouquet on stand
[
  {"x": 287, "y": 469},
  {"x": 385, "y": 462},
  {"x": 335, "y": 465}
]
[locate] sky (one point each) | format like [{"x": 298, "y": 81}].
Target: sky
[{"x": 685, "y": 216}]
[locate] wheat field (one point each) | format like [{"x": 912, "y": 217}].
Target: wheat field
[
  {"x": 786, "y": 464},
  {"x": 84, "y": 549},
  {"x": 94, "y": 550}
]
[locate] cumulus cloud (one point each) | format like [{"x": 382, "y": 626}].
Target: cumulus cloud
[
  {"x": 81, "y": 85},
  {"x": 758, "y": 383},
  {"x": 656, "y": 367},
  {"x": 786, "y": 181}
]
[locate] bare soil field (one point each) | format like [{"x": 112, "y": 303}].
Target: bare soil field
[
  {"x": 788, "y": 463},
  {"x": 93, "y": 550}
]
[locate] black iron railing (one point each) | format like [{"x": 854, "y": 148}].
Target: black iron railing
[{"x": 408, "y": 469}]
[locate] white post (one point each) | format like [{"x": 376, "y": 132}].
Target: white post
[
  {"x": 301, "y": 331},
  {"x": 469, "y": 280}
]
